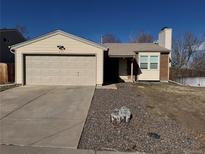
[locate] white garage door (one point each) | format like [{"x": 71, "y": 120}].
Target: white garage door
[{"x": 60, "y": 70}]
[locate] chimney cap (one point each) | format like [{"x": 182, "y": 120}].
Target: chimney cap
[{"x": 164, "y": 28}]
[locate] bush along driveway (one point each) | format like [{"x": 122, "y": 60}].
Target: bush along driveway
[{"x": 151, "y": 128}]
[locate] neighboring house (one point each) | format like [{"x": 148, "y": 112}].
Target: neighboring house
[
  {"x": 8, "y": 37},
  {"x": 59, "y": 58}
]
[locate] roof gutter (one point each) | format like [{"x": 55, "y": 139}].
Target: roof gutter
[
  {"x": 121, "y": 56},
  {"x": 11, "y": 50},
  {"x": 168, "y": 51}
]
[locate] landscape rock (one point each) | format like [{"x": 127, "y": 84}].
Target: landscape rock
[
  {"x": 120, "y": 115},
  {"x": 125, "y": 113},
  {"x": 115, "y": 117}
]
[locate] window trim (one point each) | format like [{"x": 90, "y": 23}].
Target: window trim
[
  {"x": 153, "y": 63},
  {"x": 149, "y": 62},
  {"x": 144, "y": 63}
]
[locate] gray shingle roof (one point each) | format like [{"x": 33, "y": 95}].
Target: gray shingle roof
[{"x": 129, "y": 49}]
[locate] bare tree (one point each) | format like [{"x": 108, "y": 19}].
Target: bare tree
[
  {"x": 23, "y": 30},
  {"x": 110, "y": 38},
  {"x": 184, "y": 49},
  {"x": 142, "y": 38},
  {"x": 198, "y": 61}
]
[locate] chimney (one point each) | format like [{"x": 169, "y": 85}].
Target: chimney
[{"x": 165, "y": 38}]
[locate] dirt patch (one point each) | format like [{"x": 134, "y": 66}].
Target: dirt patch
[{"x": 152, "y": 129}]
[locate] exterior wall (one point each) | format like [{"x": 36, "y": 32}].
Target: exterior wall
[
  {"x": 49, "y": 46},
  {"x": 164, "y": 67},
  {"x": 149, "y": 75}
]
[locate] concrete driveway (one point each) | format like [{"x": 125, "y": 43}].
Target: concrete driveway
[{"x": 51, "y": 116}]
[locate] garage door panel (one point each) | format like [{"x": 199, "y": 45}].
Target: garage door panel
[{"x": 60, "y": 70}]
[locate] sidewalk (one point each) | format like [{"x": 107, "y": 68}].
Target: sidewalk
[{"x": 6, "y": 149}]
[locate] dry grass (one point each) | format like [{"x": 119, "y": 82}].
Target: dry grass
[{"x": 185, "y": 105}]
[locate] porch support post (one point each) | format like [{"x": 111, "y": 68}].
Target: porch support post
[{"x": 132, "y": 60}]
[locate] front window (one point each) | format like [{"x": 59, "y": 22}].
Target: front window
[
  {"x": 144, "y": 62},
  {"x": 149, "y": 62},
  {"x": 154, "y": 60}
]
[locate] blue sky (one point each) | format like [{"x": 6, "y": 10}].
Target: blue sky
[{"x": 93, "y": 18}]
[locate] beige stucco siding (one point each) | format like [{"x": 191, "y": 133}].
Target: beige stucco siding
[
  {"x": 149, "y": 74},
  {"x": 49, "y": 46}
]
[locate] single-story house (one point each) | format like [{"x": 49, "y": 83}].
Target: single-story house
[{"x": 60, "y": 58}]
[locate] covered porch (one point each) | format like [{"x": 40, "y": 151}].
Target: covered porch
[
  {"x": 121, "y": 69},
  {"x": 128, "y": 69}
]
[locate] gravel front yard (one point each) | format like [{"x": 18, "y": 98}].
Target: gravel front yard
[{"x": 100, "y": 134}]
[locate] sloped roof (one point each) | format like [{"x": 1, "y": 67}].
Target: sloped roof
[
  {"x": 56, "y": 33},
  {"x": 129, "y": 49}
]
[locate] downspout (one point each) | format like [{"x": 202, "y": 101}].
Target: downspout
[{"x": 11, "y": 50}]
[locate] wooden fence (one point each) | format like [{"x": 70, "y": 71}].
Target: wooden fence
[{"x": 7, "y": 73}]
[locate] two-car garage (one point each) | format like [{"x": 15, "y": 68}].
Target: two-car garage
[
  {"x": 60, "y": 70},
  {"x": 40, "y": 61}
]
